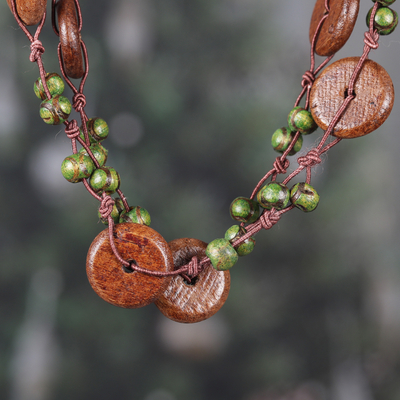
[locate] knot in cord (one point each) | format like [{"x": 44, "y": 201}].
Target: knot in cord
[
  {"x": 269, "y": 219},
  {"x": 72, "y": 129},
  {"x": 79, "y": 102},
  {"x": 106, "y": 207},
  {"x": 310, "y": 159},
  {"x": 308, "y": 79},
  {"x": 371, "y": 40},
  {"x": 193, "y": 267},
  {"x": 37, "y": 50},
  {"x": 280, "y": 167}
]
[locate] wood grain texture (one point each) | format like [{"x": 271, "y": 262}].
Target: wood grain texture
[
  {"x": 338, "y": 26},
  {"x": 187, "y": 303},
  {"x": 30, "y": 11},
  {"x": 107, "y": 275},
  {"x": 70, "y": 38},
  {"x": 366, "y": 112}
]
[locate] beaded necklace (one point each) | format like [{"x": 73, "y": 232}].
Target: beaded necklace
[{"x": 129, "y": 264}]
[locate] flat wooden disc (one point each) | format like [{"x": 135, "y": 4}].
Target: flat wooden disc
[
  {"x": 336, "y": 28},
  {"x": 366, "y": 112},
  {"x": 187, "y": 303},
  {"x": 70, "y": 38},
  {"x": 30, "y": 11},
  {"x": 108, "y": 277}
]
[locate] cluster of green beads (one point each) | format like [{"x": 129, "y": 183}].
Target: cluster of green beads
[{"x": 386, "y": 19}]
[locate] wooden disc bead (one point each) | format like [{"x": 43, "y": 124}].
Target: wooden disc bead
[
  {"x": 336, "y": 28},
  {"x": 70, "y": 38},
  {"x": 183, "y": 302},
  {"x": 116, "y": 284},
  {"x": 366, "y": 112},
  {"x": 30, "y": 11}
]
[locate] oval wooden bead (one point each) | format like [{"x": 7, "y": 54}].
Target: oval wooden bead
[
  {"x": 189, "y": 303},
  {"x": 114, "y": 283},
  {"x": 336, "y": 28},
  {"x": 30, "y": 11},
  {"x": 366, "y": 112},
  {"x": 70, "y": 38}
]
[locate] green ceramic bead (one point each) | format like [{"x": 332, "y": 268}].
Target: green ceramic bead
[
  {"x": 99, "y": 152},
  {"x": 56, "y": 110},
  {"x": 137, "y": 215},
  {"x": 82, "y": 136},
  {"x": 77, "y": 167},
  {"x": 118, "y": 207},
  {"x": 221, "y": 254},
  {"x": 282, "y": 138},
  {"x": 274, "y": 195},
  {"x": 384, "y": 2},
  {"x": 385, "y": 20},
  {"x": 105, "y": 179},
  {"x": 97, "y": 129},
  {"x": 299, "y": 119},
  {"x": 235, "y": 232},
  {"x": 54, "y": 83},
  {"x": 244, "y": 210},
  {"x": 304, "y": 197}
]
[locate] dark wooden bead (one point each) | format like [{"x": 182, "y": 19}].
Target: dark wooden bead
[
  {"x": 183, "y": 302},
  {"x": 70, "y": 38},
  {"x": 121, "y": 286},
  {"x": 373, "y": 102},
  {"x": 336, "y": 28},
  {"x": 30, "y": 11}
]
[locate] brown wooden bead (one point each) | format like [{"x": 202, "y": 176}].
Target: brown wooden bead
[
  {"x": 30, "y": 11},
  {"x": 336, "y": 28},
  {"x": 188, "y": 303},
  {"x": 70, "y": 38},
  {"x": 118, "y": 285},
  {"x": 366, "y": 112}
]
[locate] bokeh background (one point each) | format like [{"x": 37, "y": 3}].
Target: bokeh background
[{"x": 192, "y": 92}]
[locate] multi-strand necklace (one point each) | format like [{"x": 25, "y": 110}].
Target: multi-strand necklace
[{"x": 129, "y": 264}]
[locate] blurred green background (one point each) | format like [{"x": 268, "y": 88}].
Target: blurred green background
[{"x": 192, "y": 92}]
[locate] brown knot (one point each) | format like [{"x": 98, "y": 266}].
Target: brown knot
[
  {"x": 37, "y": 50},
  {"x": 193, "y": 267},
  {"x": 280, "y": 167},
  {"x": 72, "y": 129},
  {"x": 371, "y": 40},
  {"x": 79, "y": 102},
  {"x": 269, "y": 219},
  {"x": 310, "y": 159},
  {"x": 308, "y": 79},
  {"x": 106, "y": 207}
]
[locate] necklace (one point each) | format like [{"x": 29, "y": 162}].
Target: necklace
[{"x": 129, "y": 264}]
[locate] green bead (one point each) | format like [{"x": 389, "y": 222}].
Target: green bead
[
  {"x": 385, "y": 20},
  {"x": 274, "y": 195},
  {"x": 282, "y": 138},
  {"x": 82, "y": 136},
  {"x": 105, "y": 179},
  {"x": 233, "y": 233},
  {"x": 99, "y": 152},
  {"x": 97, "y": 129},
  {"x": 137, "y": 215},
  {"x": 299, "y": 119},
  {"x": 56, "y": 110},
  {"x": 54, "y": 83},
  {"x": 384, "y": 2},
  {"x": 221, "y": 254},
  {"x": 244, "y": 210},
  {"x": 77, "y": 167},
  {"x": 304, "y": 197},
  {"x": 118, "y": 207}
]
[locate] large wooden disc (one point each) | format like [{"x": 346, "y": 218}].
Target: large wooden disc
[
  {"x": 110, "y": 279},
  {"x": 366, "y": 112},
  {"x": 336, "y": 28},
  {"x": 30, "y": 11},
  {"x": 183, "y": 302},
  {"x": 70, "y": 38}
]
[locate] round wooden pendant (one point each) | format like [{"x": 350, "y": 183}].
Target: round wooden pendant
[
  {"x": 366, "y": 112},
  {"x": 30, "y": 11},
  {"x": 183, "y": 302},
  {"x": 70, "y": 38},
  {"x": 336, "y": 28},
  {"x": 115, "y": 283}
]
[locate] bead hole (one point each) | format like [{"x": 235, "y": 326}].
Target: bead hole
[
  {"x": 192, "y": 282},
  {"x": 346, "y": 93},
  {"x": 129, "y": 269}
]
